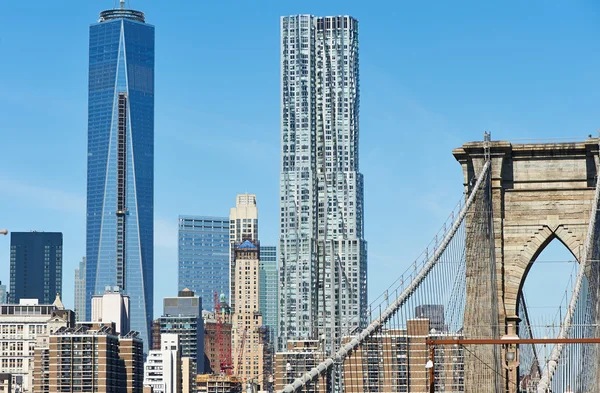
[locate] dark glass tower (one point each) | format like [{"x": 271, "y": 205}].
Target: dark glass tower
[
  {"x": 120, "y": 177},
  {"x": 35, "y": 266}
]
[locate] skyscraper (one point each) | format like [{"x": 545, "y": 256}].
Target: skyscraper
[
  {"x": 248, "y": 333},
  {"x": 323, "y": 259},
  {"x": 204, "y": 256},
  {"x": 243, "y": 225},
  {"x": 269, "y": 294},
  {"x": 35, "y": 266},
  {"x": 120, "y": 170},
  {"x": 79, "y": 293}
]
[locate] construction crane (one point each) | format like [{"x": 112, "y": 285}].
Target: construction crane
[
  {"x": 224, "y": 354},
  {"x": 241, "y": 354}
]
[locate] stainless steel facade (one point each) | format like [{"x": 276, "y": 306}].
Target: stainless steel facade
[{"x": 323, "y": 260}]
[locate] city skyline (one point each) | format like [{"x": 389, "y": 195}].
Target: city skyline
[{"x": 418, "y": 90}]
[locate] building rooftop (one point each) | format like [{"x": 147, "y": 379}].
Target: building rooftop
[{"x": 247, "y": 244}]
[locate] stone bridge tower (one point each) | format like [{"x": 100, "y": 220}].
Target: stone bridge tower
[{"x": 537, "y": 192}]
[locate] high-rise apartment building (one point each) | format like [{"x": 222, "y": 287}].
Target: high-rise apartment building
[
  {"x": 162, "y": 370},
  {"x": 120, "y": 167},
  {"x": 35, "y": 266},
  {"x": 243, "y": 225},
  {"x": 323, "y": 258},
  {"x": 91, "y": 358},
  {"x": 269, "y": 294},
  {"x": 182, "y": 315},
  {"x": 79, "y": 293},
  {"x": 204, "y": 256},
  {"x": 249, "y": 337}
]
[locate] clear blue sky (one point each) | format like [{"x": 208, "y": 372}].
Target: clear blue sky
[{"x": 433, "y": 76}]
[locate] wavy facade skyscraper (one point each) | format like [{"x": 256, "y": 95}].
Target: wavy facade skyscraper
[
  {"x": 120, "y": 170},
  {"x": 323, "y": 258}
]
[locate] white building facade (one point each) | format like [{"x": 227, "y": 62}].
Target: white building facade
[
  {"x": 323, "y": 258},
  {"x": 21, "y": 325},
  {"x": 162, "y": 370},
  {"x": 113, "y": 306}
]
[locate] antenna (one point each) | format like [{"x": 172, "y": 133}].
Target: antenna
[{"x": 122, "y": 3}]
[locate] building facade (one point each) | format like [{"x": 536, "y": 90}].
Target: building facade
[
  {"x": 35, "y": 266},
  {"x": 249, "y": 337},
  {"x": 112, "y": 307},
  {"x": 163, "y": 370},
  {"x": 323, "y": 258},
  {"x": 182, "y": 315},
  {"x": 298, "y": 358},
  {"x": 217, "y": 349},
  {"x": 79, "y": 293},
  {"x": 269, "y": 293},
  {"x": 395, "y": 361},
  {"x": 204, "y": 256},
  {"x": 243, "y": 225},
  {"x": 120, "y": 167},
  {"x": 20, "y": 327},
  {"x": 90, "y": 358}
]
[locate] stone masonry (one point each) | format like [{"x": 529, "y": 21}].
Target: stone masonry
[{"x": 539, "y": 192}]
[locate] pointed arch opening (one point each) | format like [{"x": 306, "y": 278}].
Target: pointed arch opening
[{"x": 545, "y": 284}]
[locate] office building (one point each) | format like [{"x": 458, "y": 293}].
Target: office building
[
  {"x": 79, "y": 293},
  {"x": 120, "y": 166},
  {"x": 323, "y": 259},
  {"x": 35, "y": 266},
  {"x": 204, "y": 256},
  {"x": 3, "y": 294},
  {"x": 243, "y": 225},
  {"x": 20, "y": 327},
  {"x": 249, "y": 337},
  {"x": 269, "y": 293},
  {"x": 113, "y": 306},
  {"x": 163, "y": 370},
  {"x": 182, "y": 315},
  {"x": 90, "y": 358}
]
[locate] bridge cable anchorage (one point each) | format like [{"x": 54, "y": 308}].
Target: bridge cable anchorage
[
  {"x": 584, "y": 266},
  {"x": 377, "y": 324}
]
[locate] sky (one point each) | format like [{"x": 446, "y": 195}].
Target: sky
[{"x": 433, "y": 75}]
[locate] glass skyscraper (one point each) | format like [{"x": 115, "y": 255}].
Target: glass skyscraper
[
  {"x": 204, "y": 256},
  {"x": 269, "y": 283},
  {"x": 120, "y": 170},
  {"x": 35, "y": 266},
  {"x": 323, "y": 258}
]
